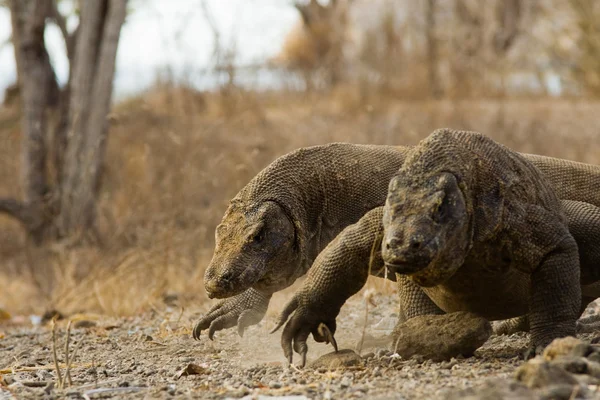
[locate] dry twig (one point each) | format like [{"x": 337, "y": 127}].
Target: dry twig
[{"x": 58, "y": 374}]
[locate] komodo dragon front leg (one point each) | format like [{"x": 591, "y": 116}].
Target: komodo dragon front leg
[{"x": 339, "y": 271}]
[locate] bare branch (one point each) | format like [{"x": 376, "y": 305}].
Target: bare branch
[
  {"x": 508, "y": 13},
  {"x": 61, "y": 22},
  {"x": 30, "y": 216},
  {"x": 215, "y": 32},
  {"x": 14, "y": 208}
]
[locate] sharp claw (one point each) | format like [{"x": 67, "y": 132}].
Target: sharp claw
[
  {"x": 197, "y": 332},
  {"x": 279, "y": 325},
  {"x": 241, "y": 330},
  {"x": 528, "y": 354},
  {"x": 303, "y": 354},
  {"x": 326, "y": 333},
  {"x": 285, "y": 314},
  {"x": 334, "y": 343}
]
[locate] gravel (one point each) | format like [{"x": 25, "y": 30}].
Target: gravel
[{"x": 143, "y": 357}]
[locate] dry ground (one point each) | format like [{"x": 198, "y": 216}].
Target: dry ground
[
  {"x": 143, "y": 356},
  {"x": 175, "y": 158}
]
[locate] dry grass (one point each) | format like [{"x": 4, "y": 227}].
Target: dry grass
[{"x": 176, "y": 157}]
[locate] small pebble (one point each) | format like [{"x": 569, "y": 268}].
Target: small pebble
[
  {"x": 345, "y": 382},
  {"x": 275, "y": 385}
]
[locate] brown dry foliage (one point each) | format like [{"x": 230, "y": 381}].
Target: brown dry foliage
[{"x": 175, "y": 157}]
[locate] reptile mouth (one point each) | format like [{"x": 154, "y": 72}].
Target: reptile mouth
[
  {"x": 405, "y": 268},
  {"x": 216, "y": 290},
  {"x": 224, "y": 287}
]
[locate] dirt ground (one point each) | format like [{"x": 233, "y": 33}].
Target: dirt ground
[{"x": 144, "y": 357}]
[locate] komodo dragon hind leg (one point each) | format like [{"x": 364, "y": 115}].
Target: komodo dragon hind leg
[
  {"x": 584, "y": 225},
  {"x": 589, "y": 324},
  {"x": 512, "y": 325}
]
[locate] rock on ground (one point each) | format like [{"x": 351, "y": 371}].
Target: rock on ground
[
  {"x": 495, "y": 389},
  {"x": 441, "y": 337},
  {"x": 567, "y": 370},
  {"x": 340, "y": 359}
]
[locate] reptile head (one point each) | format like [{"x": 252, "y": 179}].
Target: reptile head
[
  {"x": 252, "y": 244},
  {"x": 426, "y": 226}
]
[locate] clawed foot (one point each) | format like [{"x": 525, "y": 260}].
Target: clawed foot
[
  {"x": 532, "y": 351},
  {"x": 303, "y": 322},
  {"x": 510, "y": 326},
  {"x": 589, "y": 324},
  {"x": 243, "y": 310}
]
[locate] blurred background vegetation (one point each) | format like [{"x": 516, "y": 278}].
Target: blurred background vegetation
[{"x": 236, "y": 85}]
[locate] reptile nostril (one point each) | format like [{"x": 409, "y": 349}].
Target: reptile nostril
[
  {"x": 392, "y": 243},
  {"x": 415, "y": 245},
  {"x": 227, "y": 276}
]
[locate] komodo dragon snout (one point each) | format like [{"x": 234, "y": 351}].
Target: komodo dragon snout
[
  {"x": 427, "y": 227},
  {"x": 249, "y": 243}
]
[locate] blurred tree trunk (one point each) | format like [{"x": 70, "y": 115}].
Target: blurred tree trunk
[
  {"x": 63, "y": 131},
  {"x": 508, "y": 15},
  {"x": 584, "y": 64},
  {"x": 325, "y": 26},
  {"x": 468, "y": 47},
  {"x": 432, "y": 49},
  {"x": 508, "y": 19}
]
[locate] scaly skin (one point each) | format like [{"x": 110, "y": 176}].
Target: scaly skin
[
  {"x": 324, "y": 280},
  {"x": 349, "y": 258},
  {"x": 348, "y": 180}
]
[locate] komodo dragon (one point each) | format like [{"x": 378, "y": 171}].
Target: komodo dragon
[
  {"x": 280, "y": 221},
  {"x": 471, "y": 256}
]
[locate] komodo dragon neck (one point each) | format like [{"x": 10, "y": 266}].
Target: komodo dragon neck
[{"x": 325, "y": 188}]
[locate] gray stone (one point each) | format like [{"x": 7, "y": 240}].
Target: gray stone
[
  {"x": 562, "y": 392},
  {"x": 537, "y": 373},
  {"x": 441, "y": 337},
  {"x": 341, "y": 359},
  {"x": 562, "y": 347},
  {"x": 494, "y": 389}
]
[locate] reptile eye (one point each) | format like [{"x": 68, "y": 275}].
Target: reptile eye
[
  {"x": 439, "y": 214},
  {"x": 259, "y": 236}
]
